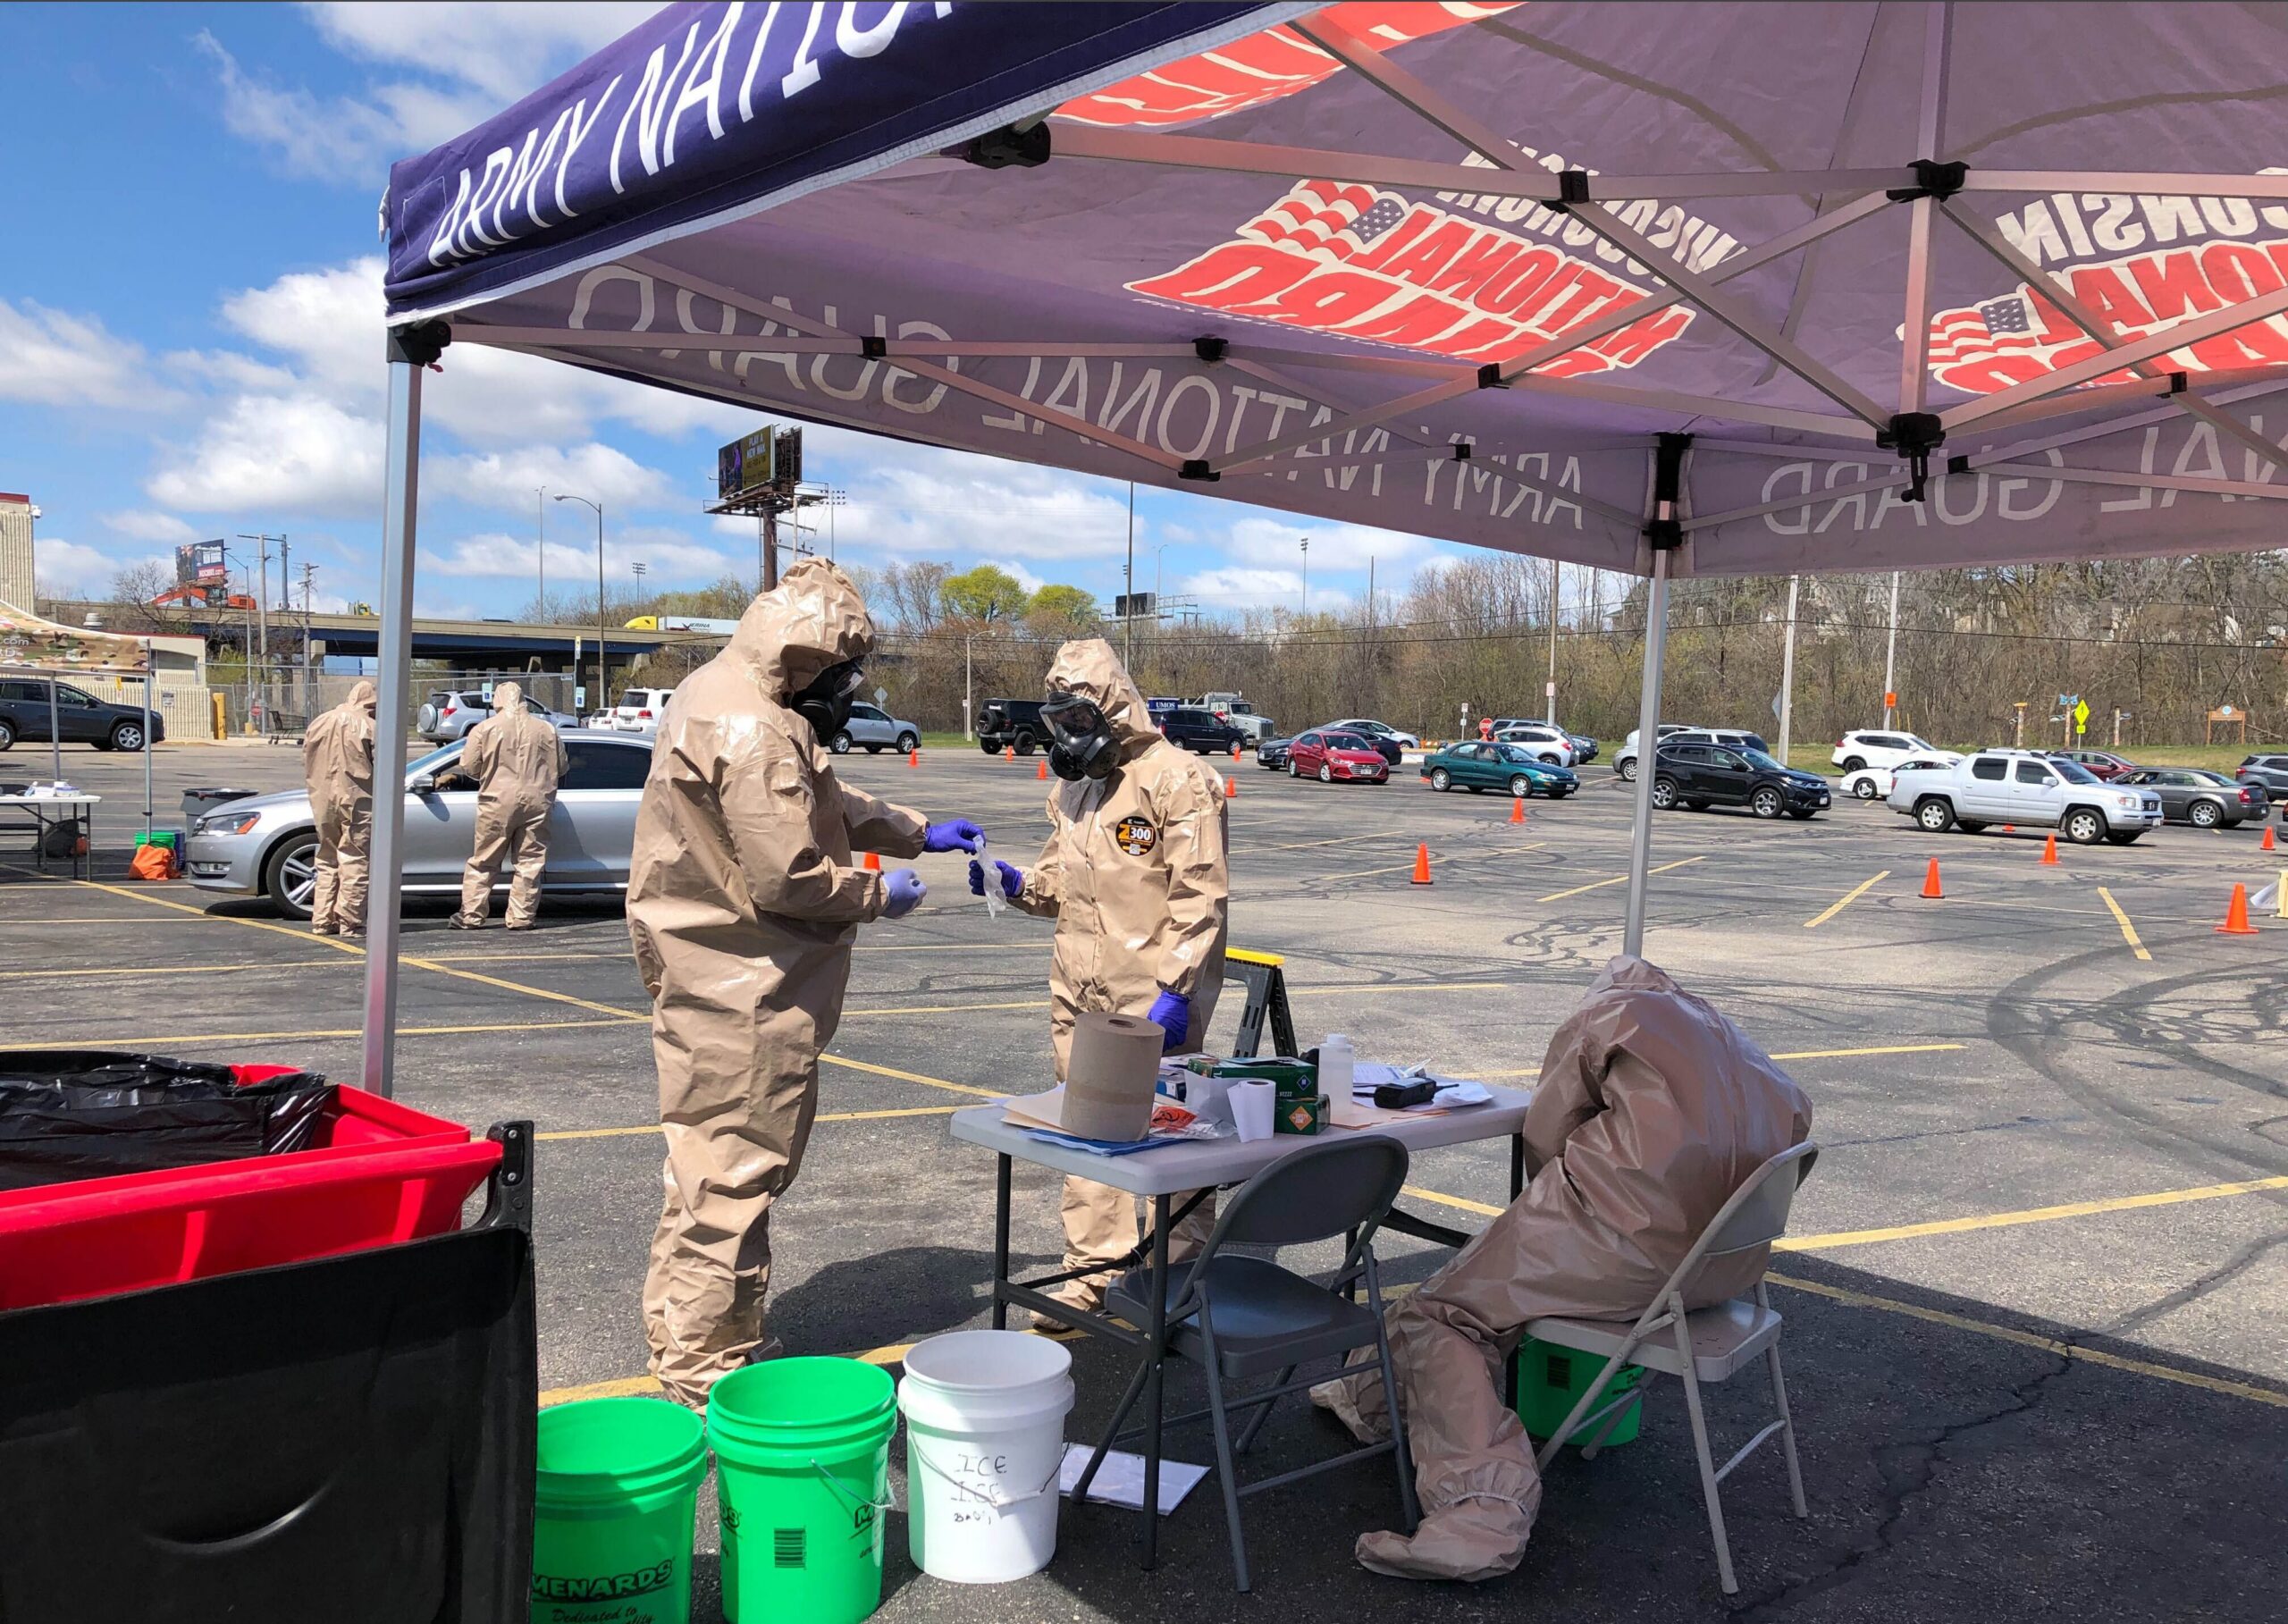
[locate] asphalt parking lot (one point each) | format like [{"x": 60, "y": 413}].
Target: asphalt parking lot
[{"x": 2036, "y": 1290}]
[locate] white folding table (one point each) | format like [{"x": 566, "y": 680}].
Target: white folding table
[
  {"x": 41, "y": 813},
  {"x": 1172, "y": 1170}
]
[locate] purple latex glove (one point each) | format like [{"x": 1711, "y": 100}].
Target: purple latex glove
[
  {"x": 1012, "y": 880},
  {"x": 954, "y": 835},
  {"x": 906, "y": 892},
  {"x": 1172, "y": 1012}
]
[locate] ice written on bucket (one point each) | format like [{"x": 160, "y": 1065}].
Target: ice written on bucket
[{"x": 984, "y": 1439}]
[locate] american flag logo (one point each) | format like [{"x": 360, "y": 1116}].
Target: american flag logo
[
  {"x": 1982, "y": 330},
  {"x": 1387, "y": 212},
  {"x": 2005, "y": 316}
]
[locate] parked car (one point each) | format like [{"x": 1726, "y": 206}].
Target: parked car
[
  {"x": 1553, "y": 746},
  {"x": 1697, "y": 774},
  {"x": 449, "y": 714},
  {"x": 2007, "y": 786},
  {"x": 640, "y": 709},
  {"x": 1334, "y": 757},
  {"x": 1585, "y": 748},
  {"x": 1874, "y": 783},
  {"x": 1201, "y": 731},
  {"x": 1390, "y": 741},
  {"x": 267, "y": 844},
  {"x": 1624, "y": 762},
  {"x": 2270, "y": 771},
  {"x": 2102, "y": 764},
  {"x": 1273, "y": 754},
  {"x": 1006, "y": 724},
  {"x": 2206, "y": 800},
  {"x": 874, "y": 730},
  {"x": 1515, "y": 769},
  {"x": 80, "y": 717},
  {"x": 1887, "y": 747}
]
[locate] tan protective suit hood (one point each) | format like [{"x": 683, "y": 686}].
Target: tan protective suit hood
[
  {"x": 338, "y": 769},
  {"x": 1088, "y": 667},
  {"x": 517, "y": 758},
  {"x": 1652, "y": 1110},
  {"x": 743, "y": 897}
]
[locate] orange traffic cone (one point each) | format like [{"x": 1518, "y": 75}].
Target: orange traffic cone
[
  {"x": 2049, "y": 851},
  {"x": 914, "y": 759},
  {"x": 1518, "y": 810},
  {"x": 2236, "y": 914},
  {"x": 1042, "y": 771},
  {"x": 1231, "y": 787},
  {"x": 1930, "y": 882},
  {"x": 873, "y": 862},
  {"x": 1008, "y": 752},
  {"x": 1422, "y": 863},
  {"x": 2267, "y": 839},
  {"x": 1235, "y": 752},
  {"x": 2009, "y": 829}
]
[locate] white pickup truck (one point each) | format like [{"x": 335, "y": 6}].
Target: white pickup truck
[
  {"x": 1230, "y": 708},
  {"x": 2022, "y": 786}
]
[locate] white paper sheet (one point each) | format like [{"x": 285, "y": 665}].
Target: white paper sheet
[{"x": 1120, "y": 1480}]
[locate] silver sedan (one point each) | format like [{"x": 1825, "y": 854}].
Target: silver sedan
[{"x": 267, "y": 844}]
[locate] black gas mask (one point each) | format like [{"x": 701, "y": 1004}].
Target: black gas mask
[
  {"x": 1082, "y": 745},
  {"x": 825, "y": 700}
]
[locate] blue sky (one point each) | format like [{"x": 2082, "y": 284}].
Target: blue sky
[{"x": 190, "y": 310}]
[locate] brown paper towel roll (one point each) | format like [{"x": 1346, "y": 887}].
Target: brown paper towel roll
[{"x": 1110, "y": 1078}]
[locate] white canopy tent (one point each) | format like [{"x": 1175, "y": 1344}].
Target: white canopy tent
[{"x": 1849, "y": 286}]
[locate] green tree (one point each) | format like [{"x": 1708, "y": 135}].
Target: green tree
[
  {"x": 1060, "y": 611},
  {"x": 986, "y": 593}
]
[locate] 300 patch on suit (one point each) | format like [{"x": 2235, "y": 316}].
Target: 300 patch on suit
[{"x": 1136, "y": 835}]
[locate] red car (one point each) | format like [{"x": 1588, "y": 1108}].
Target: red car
[
  {"x": 1336, "y": 757},
  {"x": 2103, "y": 763}
]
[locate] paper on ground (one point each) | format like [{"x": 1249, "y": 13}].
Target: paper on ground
[{"x": 1120, "y": 1480}]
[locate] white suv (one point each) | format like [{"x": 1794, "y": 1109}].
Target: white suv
[
  {"x": 2012, "y": 786},
  {"x": 640, "y": 709},
  {"x": 1863, "y": 748},
  {"x": 1552, "y": 745}
]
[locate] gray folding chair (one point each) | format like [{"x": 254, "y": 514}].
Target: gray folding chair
[
  {"x": 1701, "y": 1345},
  {"x": 1239, "y": 1316}
]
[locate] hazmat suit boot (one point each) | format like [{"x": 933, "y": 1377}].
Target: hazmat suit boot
[
  {"x": 1134, "y": 873},
  {"x": 1652, "y": 1110},
  {"x": 338, "y": 769},
  {"x": 517, "y": 759},
  {"x": 743, "y": 898}
]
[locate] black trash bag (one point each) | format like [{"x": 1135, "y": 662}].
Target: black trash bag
[{"x": 92, "y": 1114}]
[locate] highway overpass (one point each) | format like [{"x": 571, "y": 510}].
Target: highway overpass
[{"x": 505, "y": 643}]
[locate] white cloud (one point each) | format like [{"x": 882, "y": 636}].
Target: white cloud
[
  {"x": 1270, "y": 542},
  {"x": 66, "y": 569},
  {"x": 503, "y": 50},
  {"x": 1031, "y": 581},
  {"x": 56, "y": 358},
  {"x": 915, "y": 500},
  {"x": 1233, "y": 588},
  {"x": 145, "y": 525},
  {"x": 510, "y": 479},
  {"x": 668, "y": 556},
  {"x": 297, "y": 454}
]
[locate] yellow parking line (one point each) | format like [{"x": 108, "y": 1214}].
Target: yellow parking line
[
  {"x": 2027, "y": 1339},
  {"x": 1450, "y": 856},
  {"x": 1598, "y": 885},
  {"x": 183, "y": 1040},
  {"x": 652, "y": 1127},
  {"x": 1296, "y": 846},
  {"x": 631, "y": 1386},
  {"x": 301, "y": 933},
  {"x": 1850, "y": 896},
  {"x": 932, "y": 1083},
  {"x": 1480, "y": 1208},
  {"x": 2128, "y": 931},
  {"x": 534, "y": 992},
  {"x": 143, "y": 970},
  {"x": 2032, "y": 1215}
]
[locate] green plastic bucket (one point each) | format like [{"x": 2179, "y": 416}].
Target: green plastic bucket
[
  {"x": 802, "y": 1470},
  {"x": 616, "y": 1495},
  {"x": 1551, "y": 1379}
]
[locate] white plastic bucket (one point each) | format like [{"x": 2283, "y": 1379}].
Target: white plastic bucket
[{"x": 984, "y": 1440}]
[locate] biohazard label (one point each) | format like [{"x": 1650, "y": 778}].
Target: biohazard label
[{"x": 1136, "y": 836}]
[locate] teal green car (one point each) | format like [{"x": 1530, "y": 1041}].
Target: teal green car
[{"x": 1509, "y": 768}]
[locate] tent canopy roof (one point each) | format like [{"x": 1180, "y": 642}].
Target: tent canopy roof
[
  {"x": 30, "y": 643},
  {"x": 1925, "y": 284}
]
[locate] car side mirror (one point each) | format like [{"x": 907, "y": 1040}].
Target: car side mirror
[{"x": 423, "y": 784}]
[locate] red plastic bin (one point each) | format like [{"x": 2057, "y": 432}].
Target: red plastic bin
[{"x": 382, "y": 1172}]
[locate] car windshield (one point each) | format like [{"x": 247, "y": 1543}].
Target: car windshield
[
  {"x": 1915, "y": 741},
  {"x": 435, "y": 759},
  {"x": 1510, "y": 752},
  {"x": 2073, "y": 772},
  {"x": 1347, "y": 741},
  {"x": 1756, "y": 758}
]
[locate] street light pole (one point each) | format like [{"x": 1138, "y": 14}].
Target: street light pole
[
  {"x": 1890, "y": 657},
  {"x": 603, "y": 691},
  {"x": 1787, "y": 674},
  {"x": 1307, "y": 580},
  {"x": 1129, "y": 619},
  {"x": 1556, "y": 599},
  {"x": 540, "y": 520}
]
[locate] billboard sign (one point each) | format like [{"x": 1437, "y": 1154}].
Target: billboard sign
[
  {"x": 745, "y": 464},
  {"x": 200, "y": 564}
]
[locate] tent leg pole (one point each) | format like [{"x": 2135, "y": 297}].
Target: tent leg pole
[
  {"x": 399, "y": 488},
  {"x": 148, "y": 660},
  {"x": 1648, "y": 751}
]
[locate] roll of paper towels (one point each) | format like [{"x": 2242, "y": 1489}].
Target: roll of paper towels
[{"x": 1110, "y": 1078}]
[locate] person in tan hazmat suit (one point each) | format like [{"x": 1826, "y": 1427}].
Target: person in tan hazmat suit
[
  {"x": 742, "y": 901},
  {"x": 517, "y": 759},
  {"x": 1652, "y": 1110},
  {"x": 337, "y": 767},
  {"x": 1133, "y": 873}
]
